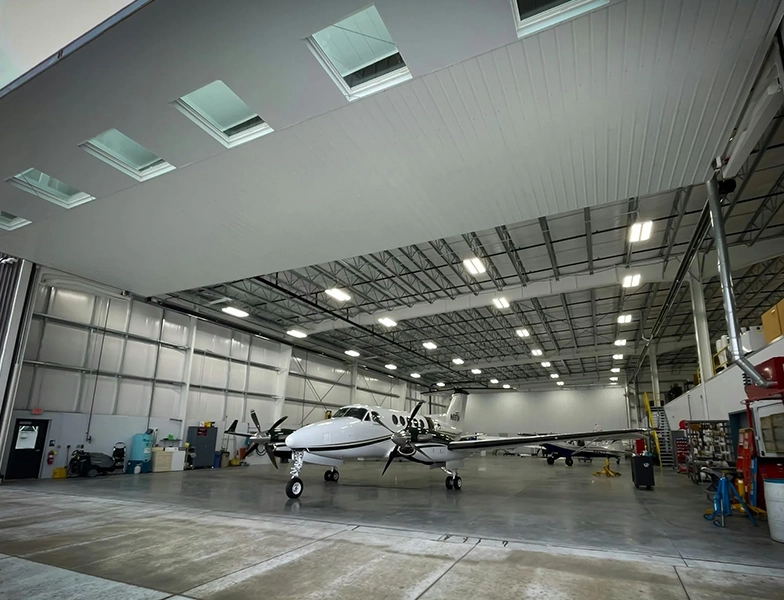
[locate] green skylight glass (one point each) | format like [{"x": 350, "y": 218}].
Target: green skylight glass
[
  {"x": 49, "y": 188},
  {"x": 120, "y": 151},
  {"x": 10, "y": 222},
  {"x": 359, "y": 50}
]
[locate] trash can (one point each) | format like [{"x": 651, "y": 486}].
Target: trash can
[
  {"x": 774, "y": 499},
  {"x": 224, "y": 461},
  {"x": 216, "y": 463}
]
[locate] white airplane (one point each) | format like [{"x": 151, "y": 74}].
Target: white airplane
[{"x": 378, "y": 433}]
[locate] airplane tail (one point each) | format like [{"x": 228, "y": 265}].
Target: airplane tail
[
  {"x": 232, "y": 428},
  {"x": 455, "y": 414}
]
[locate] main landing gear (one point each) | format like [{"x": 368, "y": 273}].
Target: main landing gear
[
  {"x": 553, "y": 457},
  {"x": 453, "y": 480},
  {"x": 331, "y": 475},
  {"x": 295, "y": 486}
]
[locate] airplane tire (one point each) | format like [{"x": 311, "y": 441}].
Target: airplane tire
[
  {"x": 448, "y": 482},
  {"x": 550, "y": 460},
  {"x": 568, "y": 460},
  {"x": 294, "y": 488},
  {"x": 335, "y": 475},
  {"x": 327, "y": 475},
  {"x": 457, "y": 483}
]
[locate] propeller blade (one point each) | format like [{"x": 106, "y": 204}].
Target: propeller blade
[
  {"x": 255, "y": 420},
  {"x": 271, "y": 453},
  {"x": 275, "y": 424},
  {"x": 251, "y": 449},
  {"x": 415, "y": 411},
  {"x": 392, "y": 456},
  {"x": 378, "y": 420}
]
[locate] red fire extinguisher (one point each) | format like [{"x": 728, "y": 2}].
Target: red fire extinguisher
[{"x": 50, "y": 457}]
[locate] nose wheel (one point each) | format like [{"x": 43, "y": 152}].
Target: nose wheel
[
  {"x": 331, "y": 475},
  {"x": 294, "y": 488},
  {"x": 454, "y": 482}
]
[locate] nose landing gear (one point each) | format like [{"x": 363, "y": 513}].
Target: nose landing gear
[
  {"x": 453, "y": 480},
  {"x": 295, "y": 486}
]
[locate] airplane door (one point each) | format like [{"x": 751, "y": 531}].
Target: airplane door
[{"x": 27, "y": 449}]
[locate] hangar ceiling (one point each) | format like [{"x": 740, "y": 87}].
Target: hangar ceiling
[
  {"x": 562, "y": 276},
  {"x": 625, "y": 102}
]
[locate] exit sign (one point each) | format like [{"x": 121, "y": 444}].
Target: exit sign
[{"x": 38, "y": 411}]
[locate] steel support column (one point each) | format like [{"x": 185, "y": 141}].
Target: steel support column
[
  {"x": 654, "y": 375},
  {"x": 701, "y": 331}
]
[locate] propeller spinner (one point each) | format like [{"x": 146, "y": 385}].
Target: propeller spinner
[
  {"x": 265, "y": 438},
  {"x": 405, "y": 439}
]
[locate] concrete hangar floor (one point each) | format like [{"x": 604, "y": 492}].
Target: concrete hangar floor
[{"x": 518, "y": 529}]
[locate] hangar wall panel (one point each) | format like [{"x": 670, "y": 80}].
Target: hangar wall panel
[
  {"x": 723, "y": 392},
  {"x": 546, "y": 412}
]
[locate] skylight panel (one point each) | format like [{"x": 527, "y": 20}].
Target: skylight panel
[
  {"x": 359, "y": 54},
  {"x": 534, "y": 16},
  {"x": 223, "y": 114},
  {"x": 123, "y": 153},
  {"x": 49, "y": 188},
  {"x": 10, "y": 222}
]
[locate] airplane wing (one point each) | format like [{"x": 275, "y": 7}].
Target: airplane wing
[{"x": 520, "y": 440}]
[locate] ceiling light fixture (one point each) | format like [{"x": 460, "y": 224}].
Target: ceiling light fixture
[
  {"x": 458, "y": 361},
  {"x": 476, "y": 371},
  {"x": 523, "y": 333},
  {"x": 501, "y": 303},
  {"x": 235, "y": 312},
  {"x": 617, "y": 356},
  {"x": 506, "y": 386},
  {"x": 493, "y": 381},
  {"x": 391, "y": 367},
  {"x": 440, "y": 384},
  {"x": 430, "y": 345},
  {"x": 631, "y": 281},
  {"x": 640, "y": 231},
  {"x": 613, "y": 379},
  {"x": 415, "y": 375},
  {"x": 387, "y": 322},
  {"x": 353, "y": 353},
  {"x": 546, "y": 364},
  {"x": 559, "y": 382},
  {"x": 615, "y": 370},
  {"x": 554, "y": 375},
  {"x": 623, "y": 319},
  {"x": 474, "y": 266},
  {"x": 297, "y": 333},
  {"x": 338, "y": 294},
  {"x": 536, "y": 352},
  {"x": 621, "y": 342}
]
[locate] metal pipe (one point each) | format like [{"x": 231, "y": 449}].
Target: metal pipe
[{"x": 727, "y": 292}]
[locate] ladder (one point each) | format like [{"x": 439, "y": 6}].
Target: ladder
[{"x": 662, "y": 427}]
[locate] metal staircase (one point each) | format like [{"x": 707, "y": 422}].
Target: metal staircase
[{"x": 662, "y": 427}]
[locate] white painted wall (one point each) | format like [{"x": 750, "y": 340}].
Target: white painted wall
[
  {"x": 499, "y": 413},
  {"x": 142, "y": 353},
  {"x": 722, "y": 393}
]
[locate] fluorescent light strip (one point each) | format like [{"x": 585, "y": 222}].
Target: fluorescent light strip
[
  {"x": 546, "y": 364},
  {"x": 640, "y": 231},
  {"x": 387, "y": 322},
  {"x": 621, "y": 342},
  {"x": 631, "y": 280},
  {"x": 501, "y": 303},
  {"x": 338, "y": 294},
  {"x": 234, "y": 312},
  {"x": 536, "y": 352},
  {"x": 523, "y": 333},
  {"x": 623, "y": 319},
  {"x": 554, "y": 376},
  {"x": 296, "y": 333},
  {"x": 617, "y": 356},
  {"x": 474, "y": 266},
  {"x": 353, "y": 353},
  {"x": 559, "y": 382}
]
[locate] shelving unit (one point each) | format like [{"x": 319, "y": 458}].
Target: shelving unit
[{"x": 709, "y": 446}]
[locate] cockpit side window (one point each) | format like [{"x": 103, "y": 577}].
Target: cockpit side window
[
  {"x": 351, "y": 411},
  {"x": 374, "y": 416}
]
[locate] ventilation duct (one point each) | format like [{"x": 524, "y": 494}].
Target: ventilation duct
[{"x": 715, "y": 191}]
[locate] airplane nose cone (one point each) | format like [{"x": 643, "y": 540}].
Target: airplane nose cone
[{"x": 294, "y": 440}]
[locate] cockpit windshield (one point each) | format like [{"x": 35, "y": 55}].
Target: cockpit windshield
[{"x": 350, "y": 411}]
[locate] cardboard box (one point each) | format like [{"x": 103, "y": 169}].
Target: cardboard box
[{"x": 771, "y": 323}]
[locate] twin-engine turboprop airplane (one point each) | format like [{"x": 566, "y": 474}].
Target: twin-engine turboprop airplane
[{"x": 377, "y": 433}]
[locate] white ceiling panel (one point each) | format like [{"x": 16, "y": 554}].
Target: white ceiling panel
[{"x": 626, "y": 101}]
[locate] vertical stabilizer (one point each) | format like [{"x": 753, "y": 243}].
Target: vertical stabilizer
[{"x": 455, "y": 414}]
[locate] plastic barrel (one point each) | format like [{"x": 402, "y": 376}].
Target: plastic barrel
[{"x": 774, "y": 499}]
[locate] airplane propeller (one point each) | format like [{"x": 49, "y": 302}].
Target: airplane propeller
[
  {"x": 404, "y": 439},
  {"x": 269, "y": 435}
]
